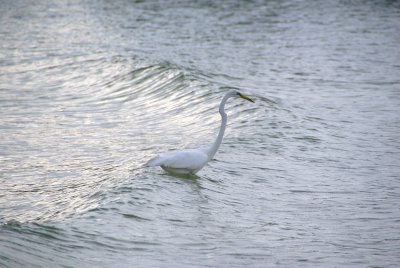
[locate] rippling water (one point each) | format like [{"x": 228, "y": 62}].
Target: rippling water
[{"x": 308, "y": 175}]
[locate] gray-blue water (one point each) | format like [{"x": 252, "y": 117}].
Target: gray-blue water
[{"x": 308, "y": 175}]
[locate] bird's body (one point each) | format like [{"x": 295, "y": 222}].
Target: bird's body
[
  {"x": 190, "y": 161},
  {"x": 187, "y": 161}
]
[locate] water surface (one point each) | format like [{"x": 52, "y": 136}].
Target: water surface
[{"x": 307, "y": 175}]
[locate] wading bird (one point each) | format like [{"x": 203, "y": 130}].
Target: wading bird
[{"x": 190, "y": 161}]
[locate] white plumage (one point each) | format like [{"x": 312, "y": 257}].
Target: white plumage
[
  {"x": 181, "y": 162},
  {"x": 190, "y": 161}
]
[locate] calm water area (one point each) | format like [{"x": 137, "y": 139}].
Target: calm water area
[{"x": 308, "y": 175}]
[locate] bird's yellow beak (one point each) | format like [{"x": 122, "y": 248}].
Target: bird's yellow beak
[{"x": 245, "y": 97}]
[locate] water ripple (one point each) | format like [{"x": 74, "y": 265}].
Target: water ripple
[{"x": 308, "y": 174}]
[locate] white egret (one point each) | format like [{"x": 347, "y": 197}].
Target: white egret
[{"x": 190, "y": 161}]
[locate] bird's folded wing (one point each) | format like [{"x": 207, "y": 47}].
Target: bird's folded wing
[{"x": 188, "y": 159}]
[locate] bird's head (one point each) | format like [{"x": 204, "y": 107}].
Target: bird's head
[
  {"x": 244, "y": 97},
  {"x": 235, "y": 93}
]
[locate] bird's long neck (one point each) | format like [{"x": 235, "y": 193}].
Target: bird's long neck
[{"x": 224, "y": 118}]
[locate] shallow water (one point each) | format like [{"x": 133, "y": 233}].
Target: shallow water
[{"x": 307, "y": 175}]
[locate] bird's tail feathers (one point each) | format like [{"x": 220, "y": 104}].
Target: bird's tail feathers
[{"x": 153, "y": 162}]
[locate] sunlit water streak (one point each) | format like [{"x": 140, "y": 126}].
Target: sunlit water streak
[{"x": 308, "y": 175}]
